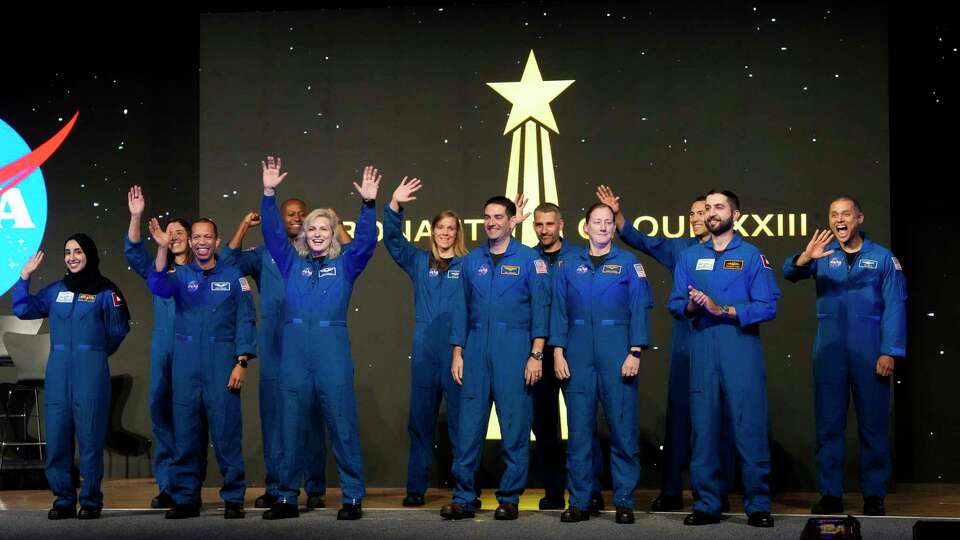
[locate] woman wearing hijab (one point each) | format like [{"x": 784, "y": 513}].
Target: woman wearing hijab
[{"x": 88, "y": 321}]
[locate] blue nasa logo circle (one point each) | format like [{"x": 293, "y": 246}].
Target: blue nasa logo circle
[{"x": 23, "y": 211}]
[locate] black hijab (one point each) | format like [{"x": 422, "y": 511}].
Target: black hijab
[{"x": 90, "y": 280}]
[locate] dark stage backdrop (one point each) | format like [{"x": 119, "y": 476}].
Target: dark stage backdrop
[{"x": 788, "y": 106}]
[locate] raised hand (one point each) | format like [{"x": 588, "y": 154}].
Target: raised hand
[
  {"x": 158, "y": 234},
  {"x": 816, "y": 247},
  {"x": 252, "y": 219},
  {"x": 404, "y": 192},
  {"x": 31, "y": 265},
  {"x": 521, "y": 201},
  {"x": 607, "y": 197},
  {"x": 135, "y": 201},
  {"x": 368, "y": 186},
  {"x": 271, "y": 174}
]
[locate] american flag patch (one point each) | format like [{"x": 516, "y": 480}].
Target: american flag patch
[
  {"x": 244, "y": 285},
  {"x": 896, "y": 264},
  {"x": 541, "y": 266},
  {"x": 641, "y": 273},
  {"x": 117, "y": 302},
  {"x": 766, "y": 263}
]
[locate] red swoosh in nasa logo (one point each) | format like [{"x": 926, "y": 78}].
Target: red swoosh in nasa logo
[{"x": 14, "y": 173}]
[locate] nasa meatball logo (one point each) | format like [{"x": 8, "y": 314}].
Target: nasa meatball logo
[
  {"x": 482, "y": 271},
  {"x": 193, "y": 286},
  {"x": 434, "y": 272},
  {"x": 835, "y": 263},
  {"x": 23, "y": 198},
  {"x": 582, "y": 269}
]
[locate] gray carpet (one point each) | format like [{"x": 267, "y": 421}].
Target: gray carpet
[{"x": 413, "y": 524}]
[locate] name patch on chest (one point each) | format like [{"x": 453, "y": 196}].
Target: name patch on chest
[
  {"x": 705, "y": 264},
  {"x": 612, "y": 269},
  {"x": 330, "y": 271},
  {"x": 453, "y": 274},
  {"x": 220, "y": 286},
  {"x": 65, "y": 297},
  {"x": 509, "y": 270},
  {"x": 733, "y": 265},
  {"x": 868, "y": 263},
  {"x": 87, "y": 298}
]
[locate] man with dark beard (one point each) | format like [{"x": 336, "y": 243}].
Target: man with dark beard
[{"x": 726, "y": 288}]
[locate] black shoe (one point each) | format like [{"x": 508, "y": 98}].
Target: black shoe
[
  {"x": 315, "y": 500},
  {"x": 596, "y": 503},
  {"x": 163, "y": 500},
  {"x": 88, "y": 512},
  {"x": 282, "y": 511},
  {"x": 725, "y": 505},
  {"x": 760, "y": 519},
  {"x": 506, "y": 511},
  {"x": 183, "y": 511},
  {"x": 700, "y": 518},
  {"x": 552, "y": 503},
  {"x": 413, "y": 499},
  {"x": 456, "y": 511},
  {"x": 62, "y": 512},
  {"x": 350, "y": 512},
  {"x": 574, "y": 514},
  {"x": 665, "y": 503},
  {"x": 873, "y": 506},
  {"x": 828, "y": 504},
  {"x": 265, "y": 501},
  {"x": 233, "y": 511},
  {"x": 624, "y": 515}
]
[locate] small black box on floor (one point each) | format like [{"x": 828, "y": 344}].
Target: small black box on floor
[
  {"x": 928, "y": 530},
  {"x": 834, "y": 528}
]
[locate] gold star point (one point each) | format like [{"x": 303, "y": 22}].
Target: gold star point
[{"x": 531, "y": 97}]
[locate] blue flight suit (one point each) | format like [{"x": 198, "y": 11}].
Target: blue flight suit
[
  {"x": 84, "y": 330},
  {"x": 546, "y": 410},
  {"x": 161, "y": 358},
  {"x": 316, "y": 368},
  {"x": 597, "y": 314},
  {"x": 215, "y": 323},
  {"x": 726, "y": 366},
  {"x": 430, "y": 377},
  {"x": 676, "y": 445},
  {"x": 501, "y": 309},
  {"x": 861, "y": 314},
  {"x": 257, "y": 263}
]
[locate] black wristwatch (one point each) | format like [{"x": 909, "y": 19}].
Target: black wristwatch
[
  {"x": 242, "y": 362},
  {"x": 537, "y": 355}
]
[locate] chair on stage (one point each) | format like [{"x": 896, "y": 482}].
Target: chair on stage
[{"x": 28, "y": 352}]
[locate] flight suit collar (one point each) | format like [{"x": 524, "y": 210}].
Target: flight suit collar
[
  {"x": 215, "y": 270},
  {"x": 511, "y": 249},
  {"x": 734, "y": 243},
  {"x": 585, "y": 253},
  {"x": 564, "y": 249},
  {"x": 867, "y": 247}
]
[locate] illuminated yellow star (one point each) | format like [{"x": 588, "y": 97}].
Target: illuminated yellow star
[{"x": 531, "y": 97}]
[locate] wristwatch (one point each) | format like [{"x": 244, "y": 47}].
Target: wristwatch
[
  {"x": 635, "y": 353},
  {"x": 242, "y": 363},
  {"x": 537, "y": 355}
]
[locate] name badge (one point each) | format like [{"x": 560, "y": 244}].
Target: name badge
[
  {"x": 453, "y": 274},
  {"x": 65, "y": 297},
  {"x": 868, "y": 263},
  {"x": 87, "y": 298},
  {"x": 220, "y": 286},
  {"x": 612, "y": 269},
  {"x": 705, "y": 264},
  {"x": 733, "y": 265},
  {"x": 330, "y": 271},
  {"x": 509, "y": 270}
]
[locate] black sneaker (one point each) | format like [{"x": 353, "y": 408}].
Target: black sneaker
[
  {"x": 265, "y": 501},
  {"x": 873, "y": 506},
  {"x": 760, "y": 519},
  {"x": 624, "y": 515},
  {"x": 162, "y": 500},
  {"x": 350, "y": 512},
  {"x": 665, "y": 503},
  {"x": 506, "y": 511},
  {"x": 697, "y": 517},
  {"x": 62, "y": 512},
  {"x": 282, "y": 511},
  {"x": 315, "y": 500},
  {"x": 456, "y": 511},
  {"x": 828, "y": 504},
  {"x": 552, "y": 503},
  {"x": 89, "y": 512},
  {"x": 233, "y": 511},
  {"x": 183, "y": 511},
  {"x": 574, "y": 515},
  {"x": 596, "y": 503},
  {"x": 413, "y": 499}
]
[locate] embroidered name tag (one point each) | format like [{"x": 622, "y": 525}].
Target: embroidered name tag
[
  {"x": 65, "y": 297},
  {"x": 509, "y": 270},
  {"x": 453, "y": 274},
  {"x": 87, "y": 298},
  {"x": 638, "y": 268},
  {"x": 733, "y": 265},
  {"x": 220, "y": 286},
  {"x": 540, "y": 265},
  {"x": 705, "y": 264},
  {"x": 330, "y": 271},
  {"x": 612, "y": 269},
  {"x": 244, "y": 285},
  {"x": 868, "y": 263}
]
